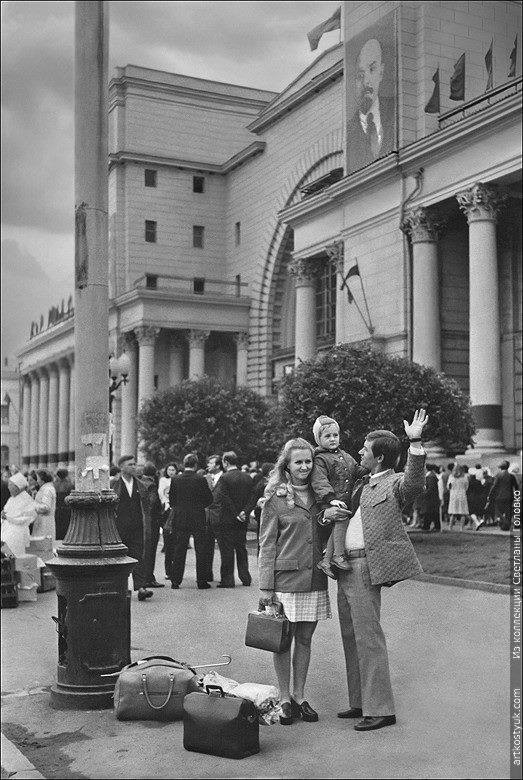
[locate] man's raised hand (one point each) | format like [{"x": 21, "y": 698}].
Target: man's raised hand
[{"x": 419, "y": 421}]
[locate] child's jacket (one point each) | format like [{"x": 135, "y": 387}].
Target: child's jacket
[{"x": 333, "y": 475}]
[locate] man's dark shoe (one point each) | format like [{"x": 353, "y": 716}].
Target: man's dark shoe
[
  {"x": 155, "y": 584},
  {"x": 144, "y": 594},
  {"x": 353, "y": 712},
  {"x": 203, "y": 585},
  {"x": 303, "y": 711},
  {"x": 225, "y": 585},
  {"x": 246, "y": 582},
  {"x": 286, "y": 716},
  {"x": 174, "y": 585},
  {"x": 369, "y": 724}
]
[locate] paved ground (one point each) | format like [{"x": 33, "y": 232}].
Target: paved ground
[{"x": 448, "y": 651}]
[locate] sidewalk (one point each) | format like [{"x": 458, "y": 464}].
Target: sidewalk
[{"x": 447, "y": 649}]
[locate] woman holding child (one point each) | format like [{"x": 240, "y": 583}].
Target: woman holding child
[{"x": 291, "y": 543}]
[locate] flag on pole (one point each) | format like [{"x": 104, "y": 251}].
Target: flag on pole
[
  {"x": 332, "y": 23},
  {"x": 432, "y": 106},
  {"x": 488, "y": 65},
  {"x": 457, "y": 80},
  {"x": 353, "y": 271},
  {"x": 512, "y": 59}
]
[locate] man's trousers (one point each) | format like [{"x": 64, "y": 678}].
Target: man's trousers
[
  {"x": 366, "y": 658},
  {"x": 232, "y": 539},
  {"x": 180, "y": 541}
]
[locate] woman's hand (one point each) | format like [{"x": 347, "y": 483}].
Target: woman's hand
[{"x": 266, "y": 597}]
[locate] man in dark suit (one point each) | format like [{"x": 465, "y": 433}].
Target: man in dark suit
[
  {"x": 231, "y": 499},
  {"x": 371, "y": 131},
  {"x": 428, "y": 502},
  {"x": 130, "y": 519},
  {"x": 214, "y": 472},
  {"x": 379, "y": 553},
  {"x": 501, "y": 496},
  {"x": 189, "y": 495}
]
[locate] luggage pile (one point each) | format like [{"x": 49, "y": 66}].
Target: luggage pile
[{"x": 220, "y": 716}]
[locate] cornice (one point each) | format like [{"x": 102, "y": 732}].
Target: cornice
[
  {"x": 373, "y": 175},
  {"x": 221, "y": 169},
  {"x": 201, "y": 301},
  {"x": 55, "y": 332},
  {"x": 319, "y": 82},
  {"x": 121, "y": 86}
]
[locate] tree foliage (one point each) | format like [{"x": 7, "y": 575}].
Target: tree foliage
[
  {"x": 364, "y": 390},
  {"x": 205, "y": 417}
]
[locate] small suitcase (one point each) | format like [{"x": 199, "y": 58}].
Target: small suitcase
[{"x": 220, "y": 725}]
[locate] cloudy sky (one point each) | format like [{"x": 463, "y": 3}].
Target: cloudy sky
[{"x": 258, "y": 44}]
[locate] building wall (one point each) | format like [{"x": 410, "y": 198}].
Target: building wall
[{"x": 10, "y": 428}]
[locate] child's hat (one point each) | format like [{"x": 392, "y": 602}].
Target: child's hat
[{"x": 321, "y": 422}]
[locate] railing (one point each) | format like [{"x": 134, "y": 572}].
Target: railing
[
  {"x": 192, "y": 285},
  {"x": 489, "y": 98}
]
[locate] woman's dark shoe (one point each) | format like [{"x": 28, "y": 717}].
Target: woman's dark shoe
[
  {"x": 286, "y": 717},
  {"x": 304, "y": 711}
]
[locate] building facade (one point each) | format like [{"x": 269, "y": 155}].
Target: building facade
[
  {"x": 10, "y": 419},
  {"x": 233, "y": 221}
]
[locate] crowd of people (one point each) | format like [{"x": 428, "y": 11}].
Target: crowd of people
[
  {"x": 317, "y": 513},
  {"x": 459, "y": 496}
]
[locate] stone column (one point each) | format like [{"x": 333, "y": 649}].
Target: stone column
[
  {"x": 26, "y": 421},
  {"x": 72, "y": 410},
  {"x": 481, "y": 204},
  {"x": 423, "y": 227},
  {"x": 197, "y": 339},
  {"x": 43, "y": 404},
  {"x": 242, "y": 344},
  {"x": 129, "y": 394},
  {"x": 305, "y": 272},
  {"x": 52, "y": 421},
  {"x": 176, "y": 344},
  {"x": 146, "y": 337},
  {"x": 63, "y": 414},
  {"x": 35, "y": 419}
]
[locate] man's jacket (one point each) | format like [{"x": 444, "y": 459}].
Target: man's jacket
[
  {"x": 231, "y": 496},
  {"x": 189, "y": 495}
]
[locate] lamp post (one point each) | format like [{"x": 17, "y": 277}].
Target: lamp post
[
  {"x": 119, "y": 369},
  {"x": 92, "y": 565}
]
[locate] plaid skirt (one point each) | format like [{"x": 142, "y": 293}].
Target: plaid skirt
[{"x": 309, "y": 606}]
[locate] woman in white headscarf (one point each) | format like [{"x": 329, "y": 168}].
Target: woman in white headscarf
[{"x": 17, "y": 515}]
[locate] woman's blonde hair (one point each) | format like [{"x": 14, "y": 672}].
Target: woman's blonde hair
[{"x": 279, "y": 481}]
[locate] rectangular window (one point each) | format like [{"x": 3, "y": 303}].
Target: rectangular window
[
  {"x": 4, "y": 408},
  {"x": 198, "y": 232},
  {"x": 198, "y": 183},
  {"x": 150, "y": 231},
  {"x": 151, "y": 281},
  {"x": 238, "y": 233},
  {"x": 150, "y": 178},
  {"x": 326, "y": 304},
  {"x": 198, "y": 285}
]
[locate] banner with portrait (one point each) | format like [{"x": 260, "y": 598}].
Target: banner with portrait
[{"x": 371, "y": 93}]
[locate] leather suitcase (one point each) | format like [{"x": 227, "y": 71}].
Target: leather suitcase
[
  {"x": 220, "y": 725},
  {"x": 153, "y": 689},
  {"x": 268, "y": 632}
]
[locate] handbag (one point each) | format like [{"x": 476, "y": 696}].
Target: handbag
[
  {"x": 153, "y": 689},
  {"x": 268, "y": 632}
]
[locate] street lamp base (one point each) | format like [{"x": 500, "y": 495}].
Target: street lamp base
[{"x": 67, "y": 697}]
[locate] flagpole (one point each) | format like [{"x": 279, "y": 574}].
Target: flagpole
[
  {"x": 354, "y": 301},
  {"x": 370, "y": 325}
]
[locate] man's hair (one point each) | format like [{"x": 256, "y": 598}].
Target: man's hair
[
  {"x": 124, "y": 459},
  {"x": 149, "y": 469},
  {"x": 62, "y": 473},
  {"x": 190, "y": 461},
  {"x": 230, "y": 457},
  {"x": 387, "y": 444},
  {"x": 216, "y": 458},
  {"x": 450, "y": 466},
  {"x": 45, "y": 475}
]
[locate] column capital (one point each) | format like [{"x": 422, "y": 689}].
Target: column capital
[
  {"x": 242, "y": 339},
  {"x": 146, "y": 335},
  {"x": 197, "y": 338},
  {"x": 63, "y": 363},
  {"x": 481, "y": 202},
  {"x": 127, "y": 338},
  {"x": 52, "y": 368},
  {"x": 304, "y": 270},
  {"x": 423, "y": 225},
  {"x": 43, "y": 372}
]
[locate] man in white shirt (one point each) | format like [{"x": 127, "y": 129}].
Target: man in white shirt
[{"x": 379, "y": 553}]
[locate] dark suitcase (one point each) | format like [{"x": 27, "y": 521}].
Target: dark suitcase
[{"x": 220, "y": 725}]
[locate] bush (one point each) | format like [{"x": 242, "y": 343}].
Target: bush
[
  {"x": 364, "y": 390},
  {"x": 206, "y": 418}
]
